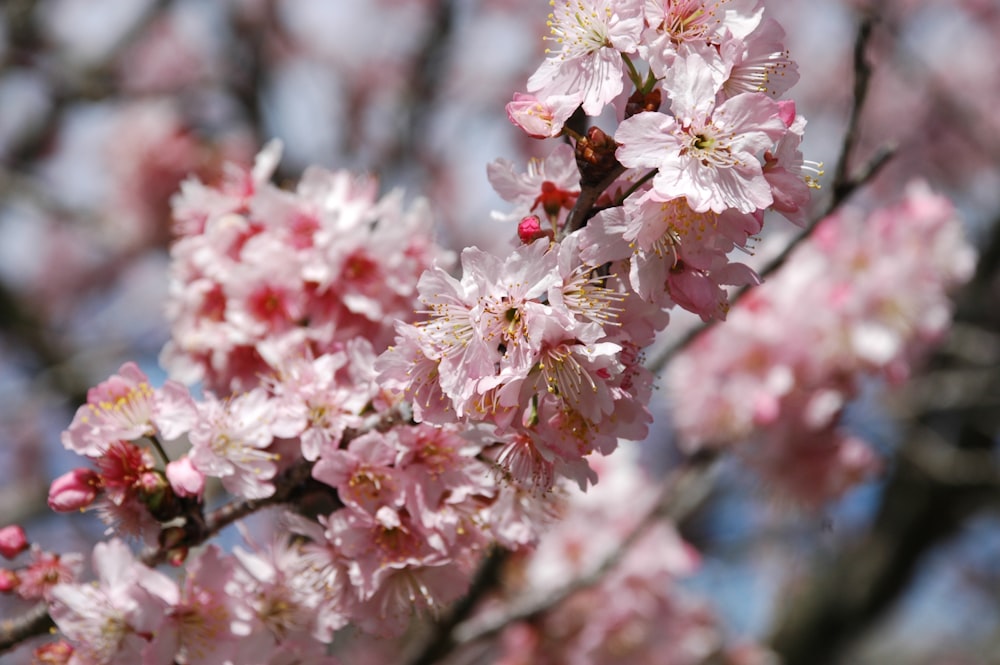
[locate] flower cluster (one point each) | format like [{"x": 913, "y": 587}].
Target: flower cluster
[
  {"x": 542, "y": 347},
  {"x": 862, "y": 297},
  {"x": 531, "y": 346},
  {"x": 261, "y": 273},
  {"x": 399, "y": 512},
  {"x": 637, "y": 613},
  {"x": 499, "y": 383}
]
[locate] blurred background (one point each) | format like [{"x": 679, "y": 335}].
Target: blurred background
[{"x": 106, "y": 105}]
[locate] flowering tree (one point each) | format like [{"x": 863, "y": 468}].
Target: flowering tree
[{"x": 446, "y": 444}]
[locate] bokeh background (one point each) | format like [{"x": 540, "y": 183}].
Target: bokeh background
[{"x": 106, "y": 105}]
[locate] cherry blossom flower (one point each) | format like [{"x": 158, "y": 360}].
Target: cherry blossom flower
[
  {"x": 117, "y": 620},
  {"x": 675, "y": 255},
  {"x": 759, "y": 62},
  {"x": 674, "y": 24},
  {"x": 278, "y": 608},
  {"x": 231, "y": 439},
  {"x": 706, "y": 153},
  {"x": 45, "y": 571},
  {"x": 790, "y": 175},
  {"x": 878, "y": 286},
  {"x": 541, "y": 119},
  {"x": 592, "y": 36},
  {"x": 550, "y": 186},
  {"x": 328, "y": 393},
  {"x": 363, "y": 473},
  {"x": 126, "y": 407},
  {"x": 197, "y": 628}
]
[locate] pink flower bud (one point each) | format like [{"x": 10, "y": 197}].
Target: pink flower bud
[
  {"x": 539, "y": 119},
  {"x": 151, "y": 482},
  {"x": 74, "y": 490},
  {"x": 186, "y": 480},
  {"x": 530, "y": 229},
  {"x": 8, "y": 580},
  {"x": 12, "y": 541}
]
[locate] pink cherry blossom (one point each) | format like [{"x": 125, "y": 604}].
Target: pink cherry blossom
[
  {"x": 126, "y": 407},
  {"x": 548, "y": 187},
  {"x": 231, "y": 439},
  {"x": 592, "y": 36},
  {"x": 363, "y": 473},
  {"x": 117, "y": 620},
  {"x": 198, "y": 628},
  {"x": 185, "y": 480},
  {"x": 675, "y": 255},
  {"x": 706, "y": 153},
  {"x": 693, "y": 23},
  {"x": 45, "y": 571},
  {"x": 541, "y": 119},
  {"x": 759, "y": 62},
  {"x": 328, "y": 393}
]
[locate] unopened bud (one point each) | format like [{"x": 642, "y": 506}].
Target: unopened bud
[
  {"x": 8, "y": 580},
  {"x": 12, "y": 541},
  {"x": 530, "y": 229},
  {"x": 187, "y": 481},
  {"x": 595, "y": 156},
  {"x": 641, "y": 102},
  {"x": 74, "y": 490}
]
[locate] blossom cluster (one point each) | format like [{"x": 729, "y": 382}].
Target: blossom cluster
[
  {"x": 260, "y": 273},
  {"x": 434, "y": 414},
  {"x": 399, "y": 512},
  {"x": 861, "y": 298},
  {"x": 638, "y": 612},
  {"x": 543, "y": 348}
]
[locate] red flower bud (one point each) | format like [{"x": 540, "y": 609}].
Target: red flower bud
[{"x": 12, "y": 541}]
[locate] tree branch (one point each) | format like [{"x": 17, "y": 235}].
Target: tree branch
[
  {"x": 842, "y": 188},
  {"x": 680, "y": 494}
]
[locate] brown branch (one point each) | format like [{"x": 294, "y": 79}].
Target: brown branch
[
  {"x": 862, "y": 81},
  {"x": 589, "y": 194},
  {"x": 293, "y": 486},
  {"x": 933, "y": 489},
  {"x": 32, "y": 623}
]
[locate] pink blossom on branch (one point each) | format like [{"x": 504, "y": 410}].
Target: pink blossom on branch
[
  {"x": 517, "y": 371},
  {"x": 74, "y": 490},
  {"x": 863, "y": 297},
  {"x": 705, "y": 152},
  {"x": 591, "y": 38},
  {"x": 117, "y": 620},
  {"x": 126, "y": 407}
]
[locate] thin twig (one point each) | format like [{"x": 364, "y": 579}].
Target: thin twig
[
  {"x": 862, "y": 82},
  {"x": 442, "y": 641},
  {"x": 842, "y": 188},
  {"x": 680, "y": 494}
]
